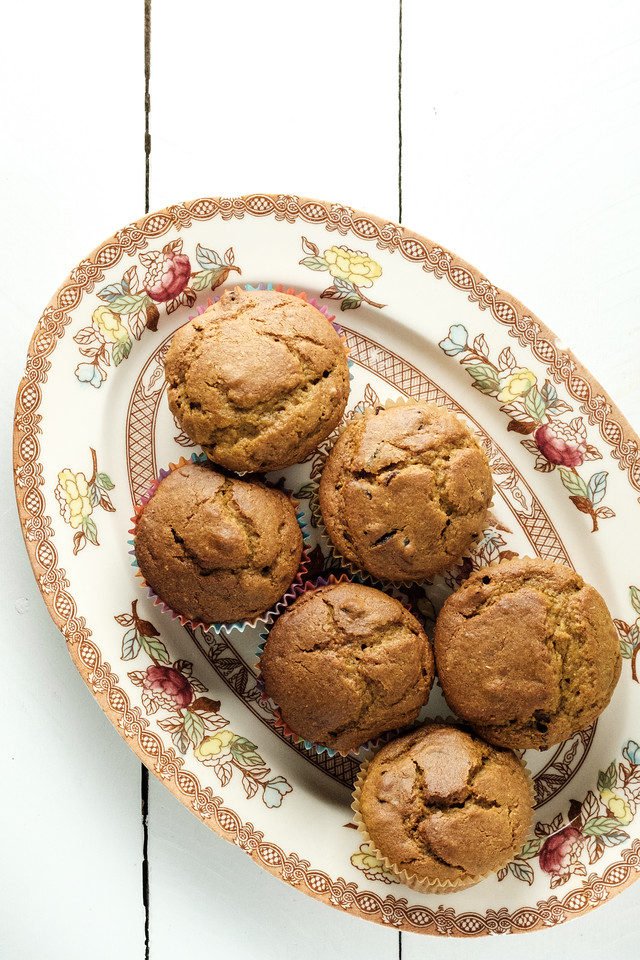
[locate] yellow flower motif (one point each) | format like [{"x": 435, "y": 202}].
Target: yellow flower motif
[
  {"x": 618, "y": 806},
  {"x": 358, "y": 269},
  {"x": 518, "y": 382},
  {"x": 214, "y": 745},
  {"x": 109, "y": 325},
  {"x": 72, "y": 494}
]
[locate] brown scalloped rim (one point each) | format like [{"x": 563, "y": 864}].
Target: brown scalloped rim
[{"x": 507, "y": 310}]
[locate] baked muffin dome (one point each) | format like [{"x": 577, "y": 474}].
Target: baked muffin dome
[
  {"x": 405, "y": 491},
  {"x": 527, "y": 653},
  {"x": 258, "y": 380},
  {"x": 445, "y": 807},
  {"x": 345, "y": 663},
  {"x": 215, "y": 548}
]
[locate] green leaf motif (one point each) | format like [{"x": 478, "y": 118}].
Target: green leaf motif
[
  {"x": 315, "y": 263},
  {"x": 111, "y": 292},
  {"x": 485, "y": 378},
  {"x": 573, "y": 482},
  {"x": 130, "y": 644},
  {"x": 597, "y": 486},
  {"x": 614, "y": 838},
  {"x": 121, "y": 350},
  {"x": 626, "y": 650},
  {"x": 181, "y": 740},
  {"x": 94, "y": 495},
  {"x": 521, "y": 871},
  {"x": 607, "y": 778},
  {"x": 208, "y": 258},
  {"x": 129, "y": 303},
  {"x": 154, "y": 648},
  {"x": 634, "y": 594},
  {"x": 194, "y": 727},
  {"x": 350, "y": 302},
  {"x": 534, "y": 404},
  {"x": 104, "y": 480},
  {"x": 207, "y": 278},
  {"x": 90, "y": 530},
  {"x": 601, "y": 827},
  {"x": 530, "y": 849}
]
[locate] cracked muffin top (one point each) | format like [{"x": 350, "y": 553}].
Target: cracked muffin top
[
  {"x": 405, "y": 491},
  {"x": 215, "y": 548},
  {"x": 444, "y": 806},
  {"x": 258, "y": 380},
  {"x": 527, "y": 653},
  {"x": 346, "y": 663}
]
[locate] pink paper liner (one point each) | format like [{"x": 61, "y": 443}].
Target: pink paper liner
[
  {"x": 280, "y": 723},
  {"x": 265, "y": 618}
]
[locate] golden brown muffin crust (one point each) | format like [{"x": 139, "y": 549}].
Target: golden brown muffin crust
[
  {"x": 345, "y": 663},
  {"x": 527, "y": 653},
  {"x": 405, "y": 491},
  {"x": 445, "y": 806},
  {"x": 258, "y": 379},
  {"x": 216, "y": 548}
]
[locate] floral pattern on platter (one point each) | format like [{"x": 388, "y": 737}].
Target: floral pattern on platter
[
  {"x": 129, "y": 306},
  {"x": 592, "y": 825},
  {"x": 630, "y": 634},
  {"x": 194, "y": 721},
  {"x": 535, "y": 410},
  {"x": 371, "y": 866},
  {"x": 349, "y": 269},
  {"x": 77, "y": 497}
]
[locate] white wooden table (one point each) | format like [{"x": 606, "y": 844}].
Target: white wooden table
[{"x": 508, "y": 132}]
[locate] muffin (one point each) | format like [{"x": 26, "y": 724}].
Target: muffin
[
  {"x": 258, "y": 380},
  {"x": 215, "y": 548},
  {"x": 443, "y": 808},
  {"x": 346, "y": 663},
  {"x": 527, "y": 653},
  {"x": 405, "y": 491}
]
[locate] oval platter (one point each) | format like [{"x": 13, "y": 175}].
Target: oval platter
[{"x": 93, "y": 430}]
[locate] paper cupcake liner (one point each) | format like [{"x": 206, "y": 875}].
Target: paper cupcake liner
[
  {"x": 265, "y": 618},
  {"x": 280, "y": 723},
  {"x": 358, "y": 413},
  {"x": 410, "y": 880}
]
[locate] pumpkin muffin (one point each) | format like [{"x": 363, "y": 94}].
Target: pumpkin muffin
[
  {"x": 444, "y": 808},
  {"x": 215, "y": 548},
  {"x": 258, "y": 380},
  {"x": 405, "y": 491},
  {"x": 346, "y": 663},
  {"x": 527, "y": 653}
]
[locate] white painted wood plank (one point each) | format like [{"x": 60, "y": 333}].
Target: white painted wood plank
[
  {"x": 277, "y": 98},
  {"x": 286, "y": 98},
  {"x": 72, "y": 171},
  {"x": 520, "y": 145},
  {"x": 212, "y": 889}
]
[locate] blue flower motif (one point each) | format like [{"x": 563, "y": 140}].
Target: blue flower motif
[
  {"x": 275, "y": 790},
  {"x": 90, "y": 373},
  {"x": 631, "y": 752},
  {"x": 456, "y": 342}
]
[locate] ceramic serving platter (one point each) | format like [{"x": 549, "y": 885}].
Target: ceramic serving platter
[{"x": 93, "y": 430}]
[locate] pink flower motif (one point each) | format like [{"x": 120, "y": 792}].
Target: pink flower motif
[
  {"x": 167, "y": 276},
  {"x": 560, "y": 444},
  {"x": 168, "y": 682},
  {"x": 560, "y": 851}
]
